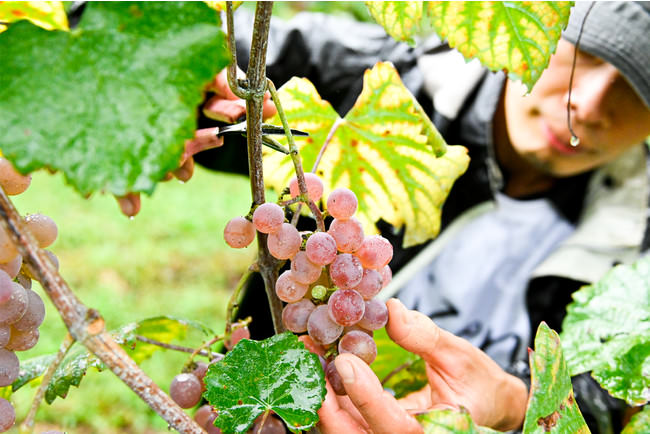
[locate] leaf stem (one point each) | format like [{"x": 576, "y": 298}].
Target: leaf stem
[
  {"x": 395, "y": 371},
  {"x": 209, "y": 354},
  {"x": 28, "y": 424}
]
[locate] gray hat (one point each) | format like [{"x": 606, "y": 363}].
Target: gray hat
[{"x": 619, "y": 33}]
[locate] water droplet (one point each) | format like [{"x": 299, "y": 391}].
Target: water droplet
[
  {"x": 131, "y": 217},
  {"x": 574, "y": 141}
]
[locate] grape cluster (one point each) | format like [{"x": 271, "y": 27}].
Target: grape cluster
[
  {"x": 334, "y": 275},
  {"x": 21, "y": 309}
]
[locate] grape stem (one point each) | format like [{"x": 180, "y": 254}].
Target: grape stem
[
  {"x": 256, "y": 87},
  {"x": 235, "y": 299},
  {"x": 28, "y": 424},
  {"x": 201, "y": 352},
  {"x": 232, "y": 46},
  {"x": 86, "y": 325},
  {"x": 328, "y": 139}
]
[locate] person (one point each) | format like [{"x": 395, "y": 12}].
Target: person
[{"x": 532, "y": 219}]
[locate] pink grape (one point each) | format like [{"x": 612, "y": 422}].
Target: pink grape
[
  {"x": 375, "y": 252},
  {"x": 11, "y": 181},
  {"x": 185, "y": 390},
  {"x": 268, "y": 217},
  {"x": 203, "y": 414},
  {"x": 386, "y": 275},
  {"x": 295, "y": 315},
  {"x": 321, "y": 328},
  {"x": 370, "y": 284},
  {"x": 22, "y": 340},
  {"x": 9, "y": 367},
  {"x": 321, "y": 248},
  {"x": 16, "y": 306},
  {"x": 7, "y": 415},
  {"x": 335, "y": 379},
  {"x": 346, "y": 271},
  {"x": 6, "y": 287},
  {"x": 285, "y": 242},
  {"x": 8, "y": 250},
  {"x": 34, "y": 315},
  {"x": 375, "y": 315},
  {"x": 12, "y": 268},
  {"x": 42, "y": 228},
  {"x": 200, "y": 370},
  {"x": 357, "y": 327},
  {"x": 288, "y": 290},
  {"x": 346, "y": 307},
  {"x": 342, "y": 203},
  {"x": 347, "y": 233},
  {"x": 237, "y": 335},
  {"x": 5, "y": 334},
  {"x": 239, "y": 232},
  {"x": 303, "y": 270},
  {"x": 359, "y": 344},
  {"x": 270, "y": 425},
  {"x": 314, "y": 187}
]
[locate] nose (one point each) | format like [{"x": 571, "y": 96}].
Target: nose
[{"x": 590, "y": 96}]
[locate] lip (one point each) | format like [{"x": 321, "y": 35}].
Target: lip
[{"x": 556, "y": 143}]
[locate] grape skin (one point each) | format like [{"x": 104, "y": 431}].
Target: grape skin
[
  {"x": 42, "y": 228},
  {"x": 370, "y": 284},
  {"x": 7, "y": 415},
  {"x": 12, "y": 268},
  {"x": 22, "y": 340},
  {"x": 185, "y": 390},
  {"x": 268, "y": 217},
  {"x": 11, "y": 181},
  {"x": 295, "y": 315},
  {"x": 375, "y": 252},
  {"x": 335, "y": 379},
  {"x": 321, "y": 248},
  {"x": 342, "y": 203},
  {"x": 285, "y": 242},
  {"x": 239, "y": 233},
  {"x": 14, "y": 308},
  {"x": 34, "y": 315},
  {"x": 8, "y": 250},
  {"x": 321, "y": 328},
  {"x": 375, "y": 315},
  {"x": 314, "y": 187},
  {"x": 346, "y": 307},
  {"x": 346, "y": 271},
  {"x": 348, "y": 234},
  {"x": 6, "y": 287},
  {"x": 5, "y": 334},
  {"x": 303, "y": 270},
  {"x": 360, "y": 344},
  {"x": 237, "y": 335},
  {"x": 386, "y": 275},
  {"x": 288, "y": 290},
  {"x": 9, "y": 367}
]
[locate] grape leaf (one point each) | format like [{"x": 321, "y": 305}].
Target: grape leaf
[
  {"x": 551, "y": 406},
  {"x": 385, "y": 149},
  {"x": 450, "y": 421},
  {"x": 221, "y": 6},
  {"x": 49, "y": 15},
  {"x": 516, "y": 36},
  {"x": 607, "y": 331},
  {"x": 111, "y": 103},
  {"x": 399, "y": 370},
  {"x": 276, "y": 374},
  {"x": 639, "y": 424}
]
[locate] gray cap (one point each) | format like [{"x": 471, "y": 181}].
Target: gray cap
[{"x": 619, "y": 33}]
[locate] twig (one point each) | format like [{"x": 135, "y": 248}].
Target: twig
[
  {"x": 209, "y": 354},
  {"x": 232, "y": 46},
  {"x": 395, "y": 372},
  {"x": 28, "y": 424},
  {"x": 328, "y": 139},
  {"x": 86, "y": 325},
  {"x": 233, "y": 303},
  {"x": 295, "y": 158}
]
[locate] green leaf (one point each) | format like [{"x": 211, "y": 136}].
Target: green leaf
[
  {"x": 639, "y": 424},
  {"x": 49, "y": 15},
  {"x": 607, "y": 331},
  {"x": 162, "y": 329},
  {"x": 399, "y": 370},
  {"x": 552, "y": 406},
  {"x": 5, "y": 392},
  {"x": 401, "y": 20},
  {"x": 275, "y": 374},
  {"x": 32, "y": 369},
  {"x": 111, "y": 103},
  {"x": 450, "y": 421},
  {"x": 385, "y": 149}
]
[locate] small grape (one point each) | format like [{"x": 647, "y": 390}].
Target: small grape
[
  {"x": 303, "y": 270},
  {"x": 357, "y": 327},
  {"x": 321, "y": 248},
  {"x": 375, "y": 252},
  {"x": 16, "y": 306},
  {"x": 42, "y": 228},
  {"x": 386, "y": 275},
  {"x": 288, "y": 290},
  {"x": 203, "y": 414},
  {"x": 24, "y": 281},
  {"x": 285, "y": 242},
  {"x": 359, "y": 344},
  {"x": 6, "y": 287},
  {"x": 8, "y": 250},
  {"x": 9, "y": 367},
  {"x": 239, "y": 233},
  {"x": 346, "y": 307},
  {"x": 272, "y": 425},
  {"x": 318, "y": 292},
  {"x": 200, "y": 370},
  {"x": 11, "y": 181},
  {"x": 209, "y": 427},
  {"x": 236, "y": 335},
  {"x": 22, "y": 340},
  {"x": 321, "y": 328},
  {"x": 370, "y": 284},
  {"x": 314, "y": 187},
  {"x": 335, "y": 379},
  {"x": 347, "y": 233},
  {"x": 295, "y": 315},
  {"x": 7, "y": 415},
  {"x": 34, "y": 315},
  {"x": 342, "y": 203},
  {"x": 12, "y": 268},
  {"x": 53, "y": 259},
  {"x": 185, "y": 390},
  {"x": 268, "y": 217},
  {"x": 346, "y": 271},
  {"x": 375, "y": 315}
]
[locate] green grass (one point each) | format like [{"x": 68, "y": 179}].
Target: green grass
[{"x": 171, "y": 259}]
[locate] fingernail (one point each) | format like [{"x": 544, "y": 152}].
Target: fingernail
[
  {"x": 345, "y": 370},
  {"x": 405, "y": 313}
]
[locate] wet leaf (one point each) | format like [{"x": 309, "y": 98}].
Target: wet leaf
[
  {"x": 385, "y": 149},
  {"x": 276, "y": 374},
  {"x": 552, "y": 406},
  {"x": 49, "y": 15}
]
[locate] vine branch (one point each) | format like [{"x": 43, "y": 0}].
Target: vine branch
[{"x": 209, "y": 354}]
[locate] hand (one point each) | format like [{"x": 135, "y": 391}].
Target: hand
[
  {"x": 223, "y": 106},
  {"x": 459, "y": 375}
]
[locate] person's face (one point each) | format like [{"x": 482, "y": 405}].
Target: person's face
[{"x": 606, "y": 114}]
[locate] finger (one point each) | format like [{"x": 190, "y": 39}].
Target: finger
[
  {"x": 204, "y": 139},
  {"x": 268, "y": 108},
  {"x": 185, "y": 172},
  {"x": 333, "y": 418},
  {"x": 224, "y": 110},
  {"x": 129, "y": 204},
  {"x": 382, "y": 412},
  {"x": 221, "y": 87}
]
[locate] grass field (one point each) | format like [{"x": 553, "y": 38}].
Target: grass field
[{"x": 171, "y": 259}]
